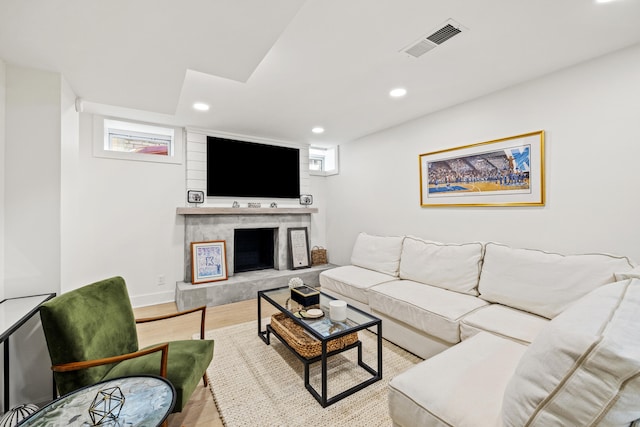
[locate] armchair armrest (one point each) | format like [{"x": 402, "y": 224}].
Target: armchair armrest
[
  {"x": 181, "y": 313},
  {"x": 74, "y": 366}
]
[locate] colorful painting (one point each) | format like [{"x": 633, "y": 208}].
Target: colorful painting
[
  {"x": 209, "y": 261},
  {"x": 504, "y": 172}
]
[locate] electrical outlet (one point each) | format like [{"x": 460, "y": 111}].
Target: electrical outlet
[{"x": 161, "y": 280}]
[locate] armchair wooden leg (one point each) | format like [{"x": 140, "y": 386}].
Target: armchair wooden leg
[{"x": 205, "y": 380}]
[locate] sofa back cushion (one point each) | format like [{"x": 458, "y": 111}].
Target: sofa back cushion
[
  {"x": 378, "y": 253},
  {"x": 583, "y": 369},
  {"x": 543, "y": 283},
  {"x": 455, "y": 267}
]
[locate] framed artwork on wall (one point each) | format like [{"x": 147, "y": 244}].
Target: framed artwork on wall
[
  {"x": 195, "y": 196},
  {"x": 298, "y": 248},
  {"x": 503, "y": 172},
  {"x": 208, "y": 261}
]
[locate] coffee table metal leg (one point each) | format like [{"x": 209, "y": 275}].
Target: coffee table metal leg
[
  {"x": 380, "y": 349},
  {"x": 324, "y": 374}
]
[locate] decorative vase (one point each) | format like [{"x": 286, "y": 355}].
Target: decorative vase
[{"x": 17, "y": 414}]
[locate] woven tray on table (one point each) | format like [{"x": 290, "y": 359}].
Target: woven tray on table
[{"x": 305, "y": 345}]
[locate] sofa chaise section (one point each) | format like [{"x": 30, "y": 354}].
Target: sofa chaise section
[
  {"x": 462, "y": 386},
  {"x": 583, "y": 369}
]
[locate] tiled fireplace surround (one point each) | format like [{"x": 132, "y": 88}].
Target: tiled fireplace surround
[{"x": 205, "y": 224}]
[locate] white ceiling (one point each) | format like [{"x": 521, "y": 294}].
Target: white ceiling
[{"x": 275, "y": 69}]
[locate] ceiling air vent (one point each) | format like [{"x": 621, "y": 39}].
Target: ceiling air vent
[{"x": 434, "y": 39}]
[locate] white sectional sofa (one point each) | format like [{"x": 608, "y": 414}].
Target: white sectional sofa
[{"x": 509, "y": 335}]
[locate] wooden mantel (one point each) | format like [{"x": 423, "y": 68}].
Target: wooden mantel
[{"x": 245, "y": 211}]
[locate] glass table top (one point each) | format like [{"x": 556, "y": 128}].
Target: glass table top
[
  {"x": 356, "y": 319},
  {"x": 148, "y": 400}
]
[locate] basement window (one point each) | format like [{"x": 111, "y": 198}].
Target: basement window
[
  {"x": 323, "y": 161},
  {"x": 127, "y": 140}
]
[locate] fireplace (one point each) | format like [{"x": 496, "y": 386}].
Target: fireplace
[
  {"x": 204, "y": 224},
  {"x": 253, "y": 249},
  {"x": 211, "y": 224}
]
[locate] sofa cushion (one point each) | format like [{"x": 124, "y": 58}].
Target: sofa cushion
[
  {"x": 378, "y": 253},
  {"x": 502, "y": 321},
  {"x": 427, "y": 308},
  {"x": 462, "y": 386},
  {"x": 543, "y": 283},
  {"x": 448, "y": 266},
  {"x": 351, "y": 281},
  {"x": 584, "y": 366}
]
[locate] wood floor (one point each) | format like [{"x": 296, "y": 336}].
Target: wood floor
[{"x": 200, "y": 411}]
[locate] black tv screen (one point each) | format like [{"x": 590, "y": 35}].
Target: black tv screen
[{"x": 247, "y": 169}]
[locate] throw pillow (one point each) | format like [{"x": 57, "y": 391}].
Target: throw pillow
[
  {"x": 378, "y": 253},
  {"x": 583, "y": 369}
]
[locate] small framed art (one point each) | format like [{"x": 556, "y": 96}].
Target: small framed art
[
  {"x": 298, "y": 248},
  {"x": 306, "y": 199},
  {"x": 194, "y": 196},
  {"x": 208, "y": 261}
]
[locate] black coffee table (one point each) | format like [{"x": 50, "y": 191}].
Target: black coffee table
[{"x": 324, "y": 330}]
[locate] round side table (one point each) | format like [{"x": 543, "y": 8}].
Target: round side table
[{"x": 148, "y": 400}]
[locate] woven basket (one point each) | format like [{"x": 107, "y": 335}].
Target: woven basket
[
  {"x": 305, "y": 345},
  {"x": 318, "y": 255}
]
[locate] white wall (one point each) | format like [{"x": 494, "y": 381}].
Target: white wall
[
  {"x": 32, "y": 216},
  {"x": 70, "y": 180},
  {"x": 590, "y": 115},
  {"x": 120, "y": 219},
  {"x": 32, "y": 177},
  {"x": 318, "y": 189},
  {"x": 2, "y": 180},
  {"x": 2, "y": 146}
]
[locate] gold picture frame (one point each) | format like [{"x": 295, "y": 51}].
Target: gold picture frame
[
  {"x": 208, "y": 261},
  {"x": 502, "y": 172}
]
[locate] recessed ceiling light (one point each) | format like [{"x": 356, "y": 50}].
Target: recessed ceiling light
[
  {"x": 201, "y": 106},
  {"x": 317, "y": 129},
  {"x": 398, "y": 92}
]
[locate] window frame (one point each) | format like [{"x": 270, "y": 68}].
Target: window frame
[
  {"x": 329, "y": 151},
  {"x": 101, "y": 125}
]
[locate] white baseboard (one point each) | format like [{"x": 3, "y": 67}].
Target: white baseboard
[{"x": 153, "y": 299}]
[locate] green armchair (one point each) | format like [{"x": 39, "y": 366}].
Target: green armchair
[{"x": 91, "y": 336}]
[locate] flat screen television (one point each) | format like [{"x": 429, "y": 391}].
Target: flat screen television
[{"x": 248, "y": 169}]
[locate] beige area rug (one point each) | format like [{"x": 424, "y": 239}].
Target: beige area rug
[{"x": 255, "y": 384}]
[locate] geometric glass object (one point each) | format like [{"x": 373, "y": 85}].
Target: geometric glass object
[{"x": 106, "y": 406}]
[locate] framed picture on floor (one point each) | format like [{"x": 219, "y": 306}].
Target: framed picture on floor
[
  {"x": 298, "y": 248},
  {"x": 503, "y": 172},
  {"x": 208, "y": 261}
]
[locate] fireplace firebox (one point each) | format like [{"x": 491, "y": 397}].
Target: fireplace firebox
[{"x": 254, "y": 249}]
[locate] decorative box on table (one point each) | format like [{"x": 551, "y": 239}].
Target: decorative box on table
[{"x": 305, "y": 296}]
